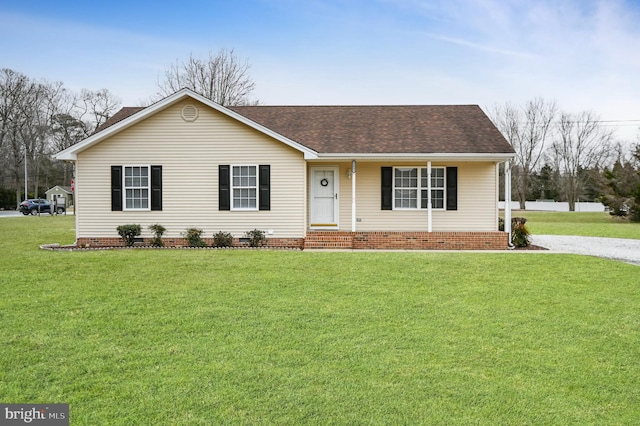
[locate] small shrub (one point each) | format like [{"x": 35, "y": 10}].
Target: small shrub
[
  {"x": 222, "y": 239},
  {"x": 500, "y": 224},
  {"x": 519, "y": 232},
  {"x": 194, "y": 237},
  {"x": 256, "y": 238},
  {"x": 157, "y": 230},
  {"x": 128, "y": 233}
]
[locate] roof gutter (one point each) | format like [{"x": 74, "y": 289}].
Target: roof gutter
[{"x": 479, "y": 157}]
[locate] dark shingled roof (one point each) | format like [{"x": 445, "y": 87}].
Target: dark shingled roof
[
  {"x": 383, "y": 129},
  {"x": 403, "y": 129},
  {"x": 125, "y": 112}
]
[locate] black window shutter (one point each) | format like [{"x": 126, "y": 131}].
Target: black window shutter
[
  {"x": 452, "y": 188},
  {"x": 224, "y": 187},
  {"x": 156, "y": 187},
  {"x": 264, "y": 187},
  {"x": 116, "y": 188},
  {"x": 387, "y": 188}
]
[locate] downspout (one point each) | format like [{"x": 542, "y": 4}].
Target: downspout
[
  {"x": 353, "y": 196},
  {"x": 75, "y": 199},
  {"x": 429, "y": 212},
  {"x": 507, "y": 201}
]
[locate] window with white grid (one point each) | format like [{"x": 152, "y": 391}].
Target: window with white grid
[{"x": 244, "y": 187}]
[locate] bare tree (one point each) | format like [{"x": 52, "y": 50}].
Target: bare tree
[
  {"x": 66, "y": 130},
  {"x": 220, "y": 77},
  {"x": 12, "y": 87},
  {"x": 527, "y": 130},
  {"x": 38, "y": 118},
  {"x": 95, "y": 107},
  {"x": 21, "y": 131},
  {"x": 581, "y": 143},
  {"x": 34, "y": 129}
]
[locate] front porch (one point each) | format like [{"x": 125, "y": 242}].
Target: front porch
[
  {"x": 449, "y": 205},
  {"x": 381, "y": 240}
]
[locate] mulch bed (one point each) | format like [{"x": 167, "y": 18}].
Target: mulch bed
[{"x": 531, "y": 247}]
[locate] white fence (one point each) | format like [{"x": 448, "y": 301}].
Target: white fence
[{"x": 554, "y": 206}]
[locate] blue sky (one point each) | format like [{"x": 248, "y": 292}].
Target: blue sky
[{"x": 584, "y": 54}]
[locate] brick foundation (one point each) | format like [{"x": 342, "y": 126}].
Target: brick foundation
[
  {"x": 407, "y": 240},
  {"x": 350, "y": 240}
]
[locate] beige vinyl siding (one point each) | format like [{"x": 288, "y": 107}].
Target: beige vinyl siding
[
  {"x": 189, "y": 153},
  {"x": 477, "y": 200}
]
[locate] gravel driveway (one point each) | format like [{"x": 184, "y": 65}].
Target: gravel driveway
[{"x": 609, "y": 248}]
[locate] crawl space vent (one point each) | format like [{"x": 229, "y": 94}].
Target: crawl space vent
[{"x": 189, "y": 113}]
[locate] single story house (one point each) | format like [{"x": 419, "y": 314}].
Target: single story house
[{"x": 362, "y": 177}]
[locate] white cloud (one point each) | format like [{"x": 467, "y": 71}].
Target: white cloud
[{"x": 484, "y": 47}]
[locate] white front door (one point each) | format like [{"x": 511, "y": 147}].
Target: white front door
[{"x": 324, "y": 197}]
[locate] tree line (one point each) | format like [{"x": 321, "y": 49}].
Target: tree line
[
  {"x": 37, "y": 119},
  {"x": 569, "y": 157}
]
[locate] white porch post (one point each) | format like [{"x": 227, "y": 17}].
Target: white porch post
[
  {"x": 507, "y": 198},
  {"x": 353, "y": 196},
  {"x": 429, "y": 212}
]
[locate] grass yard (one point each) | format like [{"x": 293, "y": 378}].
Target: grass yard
[
  {"x": 190, "y": 337},
  {"x": 586, "y": 224}
]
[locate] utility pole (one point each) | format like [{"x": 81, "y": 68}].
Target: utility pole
[{"x": 25, "y": 172}]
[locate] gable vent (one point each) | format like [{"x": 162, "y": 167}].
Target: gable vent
[{"x": 189, "y": 113}]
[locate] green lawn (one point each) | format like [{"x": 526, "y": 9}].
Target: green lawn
[
  {"x": 588, "y": 224},
  {"x": 188, "y": 337}
]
